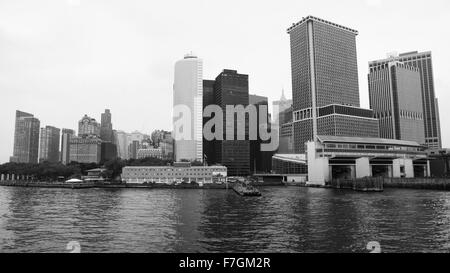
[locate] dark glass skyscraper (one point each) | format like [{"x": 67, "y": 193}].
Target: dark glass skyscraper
[
  {"x": 229, "y": 88},
  {"x": 260, "y": 161},
  {"x": 325, "y": 83},
  {"x": 26, "y": 138},
  {"x": 422, "y": 61},
  {"x": 208, "y": 99},
  {"x": 106, "y": 128}
]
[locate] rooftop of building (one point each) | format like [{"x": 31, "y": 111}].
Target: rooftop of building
[
  {"x": 385, "y": 65},
  {"x": 395, "y": 56},
  {"x": 366, "y": 140},
  {"x": 316, "y": 19},
  {"x": 190, "y": 55},
  {"x": 295, "y": 158}
]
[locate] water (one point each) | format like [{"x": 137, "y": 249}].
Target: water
[{"x": 282, "y": 220}]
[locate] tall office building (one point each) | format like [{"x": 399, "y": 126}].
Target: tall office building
[
  {"x": 166, "y": 146},
  {"x": 26, "y": 138},
  {"x": 325, "y": 83},
  {"x": 85, "y": 149},
  {"x": 282, "y": 110},
  {"x": 122, "y": 142},
  {"x": 395, "y": 96},
  {"x": 188, "y": 92},
  {"x": 88, "y": 126},
  {"x": 106, "y": 128},
  {"x": 260, "y": 161},
  {"x": 231, "y": 88},
  {"x": 66, "y": 135},
  {"x": 108, "y": 151},
  {"x": 208, "y": 99},
  {"x": 280, "y": 107},
  {"x": 133, "y": 149},
  {"x": 49, "y": 144},
  {"x": 422, "y": 61}
]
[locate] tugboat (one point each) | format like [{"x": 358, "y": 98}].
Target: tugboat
[{"x": 245, "y": 189}]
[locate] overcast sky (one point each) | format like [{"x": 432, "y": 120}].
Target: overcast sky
[{"x": 61, "y": 59}]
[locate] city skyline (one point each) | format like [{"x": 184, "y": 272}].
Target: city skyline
[{"x": 23, "y": 96}]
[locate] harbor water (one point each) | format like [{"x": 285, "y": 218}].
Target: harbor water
[{"x": 283, "y": 219}]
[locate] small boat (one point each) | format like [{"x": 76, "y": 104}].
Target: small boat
[{"x": 245, "y": 189}]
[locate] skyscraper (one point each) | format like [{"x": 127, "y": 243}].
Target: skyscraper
[
  {"x": 325, "y": 83},
  {"x": 208, "y": 99},
  {"x": 260, "y": 161},
  {"x": 282, "y": 110},
  {"x": 122, "y": 142},
  {"x": 231, "y": 88},
  {"x": 106, "y": 128},
  {"x": 188, "y": 94},
  {"x": 86, "y": 147},
  {"x": 88, "y": 126},
  {"x": 395, "y": 96},
  {"x": 49, "y": 144},
  {"x": 422, "y": 61},
  {"x": 133, "y": 148},
  {"x": 109, "y": 148},
  {"x": 108, "y": 151},
  {"x": 280, "y": 107},
  {"x": 26, "y": 138},
  {"x": 66, "y": 135}
]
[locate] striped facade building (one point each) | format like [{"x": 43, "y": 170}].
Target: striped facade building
[
  {"x": 395, "y": 97},
  {"x": 423, "y": 62},
  {"x": 325, "y": 83}
]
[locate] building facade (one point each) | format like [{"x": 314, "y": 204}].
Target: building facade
[
  {"x": 49, "y": 144},
  {"x": 133, "y": 148},
  {"x": 166, "y": 146},
  {"x": 122, "y": 142},
  {"x": 26, "y": 138},
  {"x": 324, "y": 74},
  {"x": 260, "y": 161},
  {"x": 422, "y": 61},
  {"x": 289, "y": 164},
  {"x": 66, "y": 135},
  {"x": 108, "y": 151},
  {"x": 85, "y": 149},
  {"x": 106, "y": 128},
  {"x": 231, "y": 88},
  {"x": 173, "y": 174},
  {"x": 150, "y": 152},
  {"x": 286, "y": 139},
  {"x": 439, "y": 162},
  {"x": 347, "y": 158},
  {"x": 188, "y": 95},
  {"x": 208, "y": 99},
  {"x": 88, "y": 126},
  {"x": 281, "y": 110},
  {"x": 396, "y": 97}
]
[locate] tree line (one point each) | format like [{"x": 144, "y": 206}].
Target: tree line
[{"x": 53, "y": 171}]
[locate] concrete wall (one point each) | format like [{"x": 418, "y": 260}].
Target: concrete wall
[
  {"x": 318, "y": 168},
  {"x": 363, "y": 167},
  {"x": 408, "y": 168}
]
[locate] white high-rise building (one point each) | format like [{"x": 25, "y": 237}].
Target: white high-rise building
[
  {"x": 188, "y": 94},
  {"x": 122, "y": 142}
]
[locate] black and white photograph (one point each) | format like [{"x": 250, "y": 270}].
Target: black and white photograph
[{"x": 237, "y": 129}]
